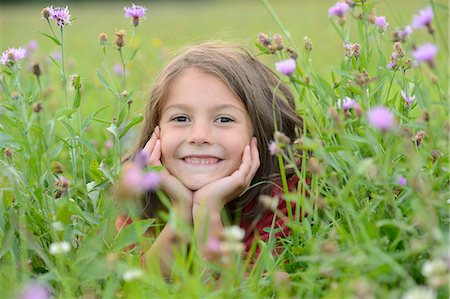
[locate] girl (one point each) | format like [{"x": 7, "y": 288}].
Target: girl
[{"x": 209, "y": 120}]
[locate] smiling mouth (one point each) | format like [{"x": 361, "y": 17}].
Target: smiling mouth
[{"x": 201, "y": 161}]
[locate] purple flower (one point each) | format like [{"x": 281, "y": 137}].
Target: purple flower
[
  {"x": 274, "y": 149},
  {"x": 338, "y": 10},
  {"x": 150, "y": 180},
  {"x": 61, "y": 15},
  {"x": 32, "y": 45},
  {"x": 402, "y": 181},
  {"x": 425, "y": 53},
  {"x": 138, "y": 180},
  {"x": 381, "y": 118},
  {"x": 381, "y": 23},
  {"x": 423, "y": 19},
  {"x": 141, "y": 159},
  {"x": 407, "y": 100},
  {"x": 12, "y": 55},
  {"x": 407, "y": 31},
  {"x": 346, "y": 104},
  {"x": 35, "y": 290},
  {"x": 136, "y": 12},
  {"x": 56, "y": 55},
  {"x": 118, "y": 69},
  {"x": 286, "y": 67}
]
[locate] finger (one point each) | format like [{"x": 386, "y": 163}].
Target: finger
[
  {"x": 149, "y": 146},
  {"x": 245, "y": 166},
  {"x": 155, "y": 157},
  {"x": 255, "y": 162}
]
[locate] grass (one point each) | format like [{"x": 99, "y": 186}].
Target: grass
[{"x": 365, "y": 235}]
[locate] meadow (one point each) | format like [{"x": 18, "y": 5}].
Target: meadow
[{"x": 377, "y": 223}]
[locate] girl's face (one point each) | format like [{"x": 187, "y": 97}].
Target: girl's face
[{"x": 204, "y": 128}]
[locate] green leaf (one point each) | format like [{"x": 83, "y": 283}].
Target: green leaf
[
  {"x": 54, "y": 39},
  {"x": 95, "y": 172},
  {"x": 66, "y": 112},
  {"x": 132, "y": 233},
  {"x": 105, "y": 82},
  {"x": 137, "y": 119},
  {"x": 133, "y": 54},
  {"x": 54, "y": 61},
  {"x": 77, "y": 99}
]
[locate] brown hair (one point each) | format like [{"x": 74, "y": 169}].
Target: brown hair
[{"x": 269, "y": 103}]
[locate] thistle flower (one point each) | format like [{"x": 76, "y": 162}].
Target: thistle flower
[
  {"x": 407, "y": 100},
  {"x": 59, "y": 248},
  {"x": 61, "y": 15},
  {"x": 35, "y": 290},
  {"x": 346, "y": 104},
  {"x": 136, "y": 180},
  {"x": 12, "y": 55},
  {"x": 423, "y": 19},
  {"x": 136, "y": 12},
  {"x": 380, "y": 22},
  {"x": 286, "y": 67},
  {"x": 402, "y": 181},
  {"x": 425, "y": 53},
  {"x": 381, "y": 118},
  {"x": 338, "y": 10}
]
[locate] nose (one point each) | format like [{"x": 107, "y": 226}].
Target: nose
[{"x": 200, "y": 133}]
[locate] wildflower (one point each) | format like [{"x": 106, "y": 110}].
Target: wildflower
[
  {"x": 46, "y": 12},
  {"x": 31, "y": 46},
  {"x": 338, "y": 10},
  {"x": 62, "y": 184},
  {"x": 418, "y": 139},
  {"x": 268, "y": 202},
  {"x": 419, "y": 292},
  {"x": 346, "y": 104},
  {"x": 132, "y": 274},
  {"x": 118, "y": 69},
  {"x": 36, "y": 70},
  {"x": 436, "y": 272},
  {"x": 264, "y": 39},
  {"x": 274, "y": 148},
  {"x": 58, "y": 226},
  {"x": 35, "y": 290},
  {"x": 75, "y": 81},
  {"x": 399, "y": 50},
  {"x": 135, "y": 179},
  {"x": 61, "y": 15},
  {"x": 12, "y": 55},
  {"x": 233, "y": 233},
  {"x": 352, "y": 50},
  {"x": 119, "y": 40},
  {"x": 59, "y": 248},
  {"x": 436, "y": 154},
  {"x": 425, "y": 53},
  {"x": 402, "y": 181},
  {"x": 141, "y": 159},
  {"x": 102, "y": 38},
  {"x": 136, "y": 12},
  {"x": 380, "y": 22},
  {"x": 8, "y": 152},
  {"x": 37, "y": 107},
  {"x": 286, "y": 67},
  {"x": 393, "y": 62},
  {"x": 278, "y": 41},
  {"x": 291, "y": 53},
  {"x": 407, "y": 100},
  {"x": 381, "y": 118},
  {"x": 308, "y": 43},
  {"x": 423, "y": 20},
  {"x": 56, "y": 55}
]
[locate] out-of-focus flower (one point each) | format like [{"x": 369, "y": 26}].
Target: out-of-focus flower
[
  {"x": 338, "y": 10},
  {"x": 102, "y": 38},
  {"x": 274, "y": 148},
  {"x": 136, "y": 180},
  {"x": 31, "y": 46},
  {"x": 61, "y": 15},
  {"x": 132, "y": 274},
  {"x": 346, "y": 104},
  {"x": 56, "y": 55},
  {"x": 119, "y": 41},
  {"x": 136, "y": 12},
  {"x": 59, "y": 248},
  {"x": 407, "y": 100},
  {"x": 381, "y": 118},
  {"x": 46, "y": 12},
  {"x": 436, "y": 272},
  {"x": 352, "y": 50},
  {"x": 118, "y": 69},
  {"x": 308, "y": 43},
  {"x": 425, "y": 53},
  {"x": 380, "y": 22},
  {"x": 233, "y": 233},
  {"x": 419, "y": 293},
  {"x": 35, "y": 290},
  {"x": 108, "y": 144},
  {"x": 286, "y": 67},
  {"x": 423, "y": 19},
  {"x": 12, "y": 55},
  {"x": 402, "y": 181}
]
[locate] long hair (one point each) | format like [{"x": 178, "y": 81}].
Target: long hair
[{"x": 269, "y": 103}]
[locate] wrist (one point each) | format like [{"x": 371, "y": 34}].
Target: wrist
[{"x": 208, "y": 203}]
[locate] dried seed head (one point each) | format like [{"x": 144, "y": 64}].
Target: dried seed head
[
  {"x": 281, "y": 138},
  {"x": 418, "y": 139},
  {"x": 36, "y": 69},
  {"x": 278, "y": 41},
  {"x": 399, "y": 50},
  {"x": 292, "y": 54},
  {"x": 120, "y": 39},
  {"x": 264, "y": 39},
  {"x": 46, "y": 13},
  {"x": 37, "y": 107}
]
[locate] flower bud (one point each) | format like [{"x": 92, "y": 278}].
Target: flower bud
[
  {"x": 8, "y": 152},
  {"x": 399, "y": 50},
  {"x": 36, "y": 69},
  {"x": 103, "y": 38},
  {"x": 120, "y": 38},
  {"x": 308, "y": 44},
  {"x": 37, "y": 107},
  {"x": 57, "y": 168},
  {"x": 292, "y": 54},
  {"x": 45, "y": 13}
]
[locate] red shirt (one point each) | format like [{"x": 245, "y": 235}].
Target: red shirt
[{"x": 255, "y": 231}]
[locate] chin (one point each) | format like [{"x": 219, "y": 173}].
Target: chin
[{"x": 195, "y": 185}]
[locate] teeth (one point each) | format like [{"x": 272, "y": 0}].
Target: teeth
[{"x": 201, "y": 161}]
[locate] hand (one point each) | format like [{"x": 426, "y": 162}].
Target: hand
[
  {"x": 181, "y": 196},
  {"x": 217, "y": 194}
]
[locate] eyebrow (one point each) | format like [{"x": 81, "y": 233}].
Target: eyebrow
[{"x": 215, "y": 108}]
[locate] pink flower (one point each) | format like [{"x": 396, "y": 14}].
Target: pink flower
[
  {"x": 425, "y": 53},
  {"x": 407, "y": 100},
  {"x": 12, "y": 55},
  {"x": 274, "y": 149},
  {"x": 338, "y": 10},
  {"x": 346, "y": 104},
  {"x": 402, "y": 181},
  {"x": 381, "y": 118},
  {"x": 136, "y": 12},
  {"x": 423, "y": 19},
  {"x": 381, "y": 23},
  {"x": 118, "y": 69},
  {"x": 35, "y": 290},
  {"x": 286, "y": 67},
  {"x": 138, "y": 180},
  {"x": 61, "y": 15}
]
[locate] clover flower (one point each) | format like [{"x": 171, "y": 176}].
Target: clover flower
[
  {"x": 136, "y": 12},
  {"x": 407, "y": 100},
  {"x": 286, "y": 67},
  {"x": 35, "y": 290},
  {"x": 423, "y": 19},
  {"x": 61, "y": 15},
  {"x": 338, "y": 10},
  {"x": 425, "y": 53},
  {"x": 59, "y": 248},
  {"x": 381, "y": 118},
  {"x": 380, "y": 22},
  {"x": 12, "y": 55}
]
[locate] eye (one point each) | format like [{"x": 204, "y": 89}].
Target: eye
[
  {"x": 224, "y": 119},
  {"x": 180, "y": 118}
]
